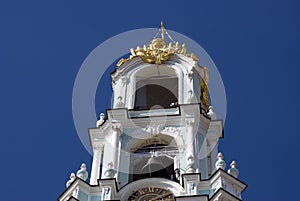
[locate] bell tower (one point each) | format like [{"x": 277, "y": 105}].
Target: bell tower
[{"x": 160, "y": 139}]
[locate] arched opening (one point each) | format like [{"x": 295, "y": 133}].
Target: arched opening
[
  {"x": 153, "y": 166},
  {"x": 155, "y": 86},
  {"x": 162, "y": 94},
  {"x": 154, "y": 159}
]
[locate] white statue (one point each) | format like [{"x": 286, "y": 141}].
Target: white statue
[
  {"x": 101, "y": 120},
  {"x": 211, "y": 113}
]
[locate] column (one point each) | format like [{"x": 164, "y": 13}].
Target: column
[
  {"x": 97, "y": 158},
  {"x": 190, "y": 143},
  {"x": 115, "y": 141},
  {"x": 190, "y": 137}
]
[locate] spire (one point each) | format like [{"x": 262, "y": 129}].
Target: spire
[{"x": 162, "y": 30}]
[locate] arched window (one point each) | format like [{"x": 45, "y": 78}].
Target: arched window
[{"x": 159, "y": 93}]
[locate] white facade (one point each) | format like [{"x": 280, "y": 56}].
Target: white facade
[{"x": 159, "y": 136}]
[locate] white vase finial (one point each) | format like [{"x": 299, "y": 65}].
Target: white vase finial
[
  {"x": 220, "y": 164},
  {"x": 233, "y": 164},
  {"x": 82, "y": 173},
  {"x": 72, "y": 178},
  {"x": 233, "y": 170}
]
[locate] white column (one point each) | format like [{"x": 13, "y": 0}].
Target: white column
[
  {"x": 190, "y": 138},
  {"x": 115, "y": 141},
  {"x": 97, "y": 158},
  {"x": 192, "y": 160}
]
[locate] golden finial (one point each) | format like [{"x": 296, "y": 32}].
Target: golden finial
[
  {"x": 158, "y": 52},
  {"x": 162, "y": 30}
]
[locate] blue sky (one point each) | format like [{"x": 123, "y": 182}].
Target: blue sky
[{"x": 255, "y": 45}]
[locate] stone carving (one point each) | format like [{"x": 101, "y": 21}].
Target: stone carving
[
  {"x": 106, "y": 193},
  {"x": 110, "y": 172},
  {"x": 189, "y": 121},
  {"x": 190, "y": 168},
  {"x": 101, "y": 120},
  {"x": 190, "y": 97},
  {"x": 116, "y": 126},
  {"x": 223, "y": 182},
  {"x": 233, "y": 170},
  {"x": 220, "y": 162},
  {"x": 190, "y": 75},
  {"x": 171, "y": 130},
  {"x": 120, "y": 103},
  {"x": 192, "y": 190},
  {"x": 82, "y": 173},
  {"x": 153, "y": 129},
  {"x": 75, "y": 192},
  {"x": 211, "y": 113},
  {"x": 72, "y": 178}
]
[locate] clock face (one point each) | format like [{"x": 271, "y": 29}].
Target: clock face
[{"x": 152, "y": 194}]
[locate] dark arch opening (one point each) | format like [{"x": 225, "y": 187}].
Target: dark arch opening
[
  {"x": 152, "y": 96},
  {"x": 154, "y": 166}
]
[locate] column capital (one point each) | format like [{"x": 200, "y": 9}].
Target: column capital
[
  {"x": 98, "y": 147},
  {"x": 124, "y": 80},
  {"x": 190, "y": 121},
  {"x": 116, "y": 126}
]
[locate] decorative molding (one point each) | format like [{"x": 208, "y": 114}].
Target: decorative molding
[
  {"x": 190, "y": 121},
  {"x": 120, "y": 103},
  {"x": 116, "y": 126},
  {"x": 190, "y": 97},
  {"x": 171, "y": 130},
  {"x": 153, "y": 128},
  {"x": 98, "y": 147},
  {"x": 124, "y": 80},
  {"x": 190, "y": 75}
]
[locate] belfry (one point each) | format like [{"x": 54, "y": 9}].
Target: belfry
[{"x": 160, "y": 139}]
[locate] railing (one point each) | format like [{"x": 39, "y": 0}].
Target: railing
[{"x": 153, "y": 112}]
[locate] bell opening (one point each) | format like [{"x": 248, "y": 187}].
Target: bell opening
[
  {"x": 154, "y": 167},
  {"x": 162, "y": 94},
  {"x": 152, "y": 163}
]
